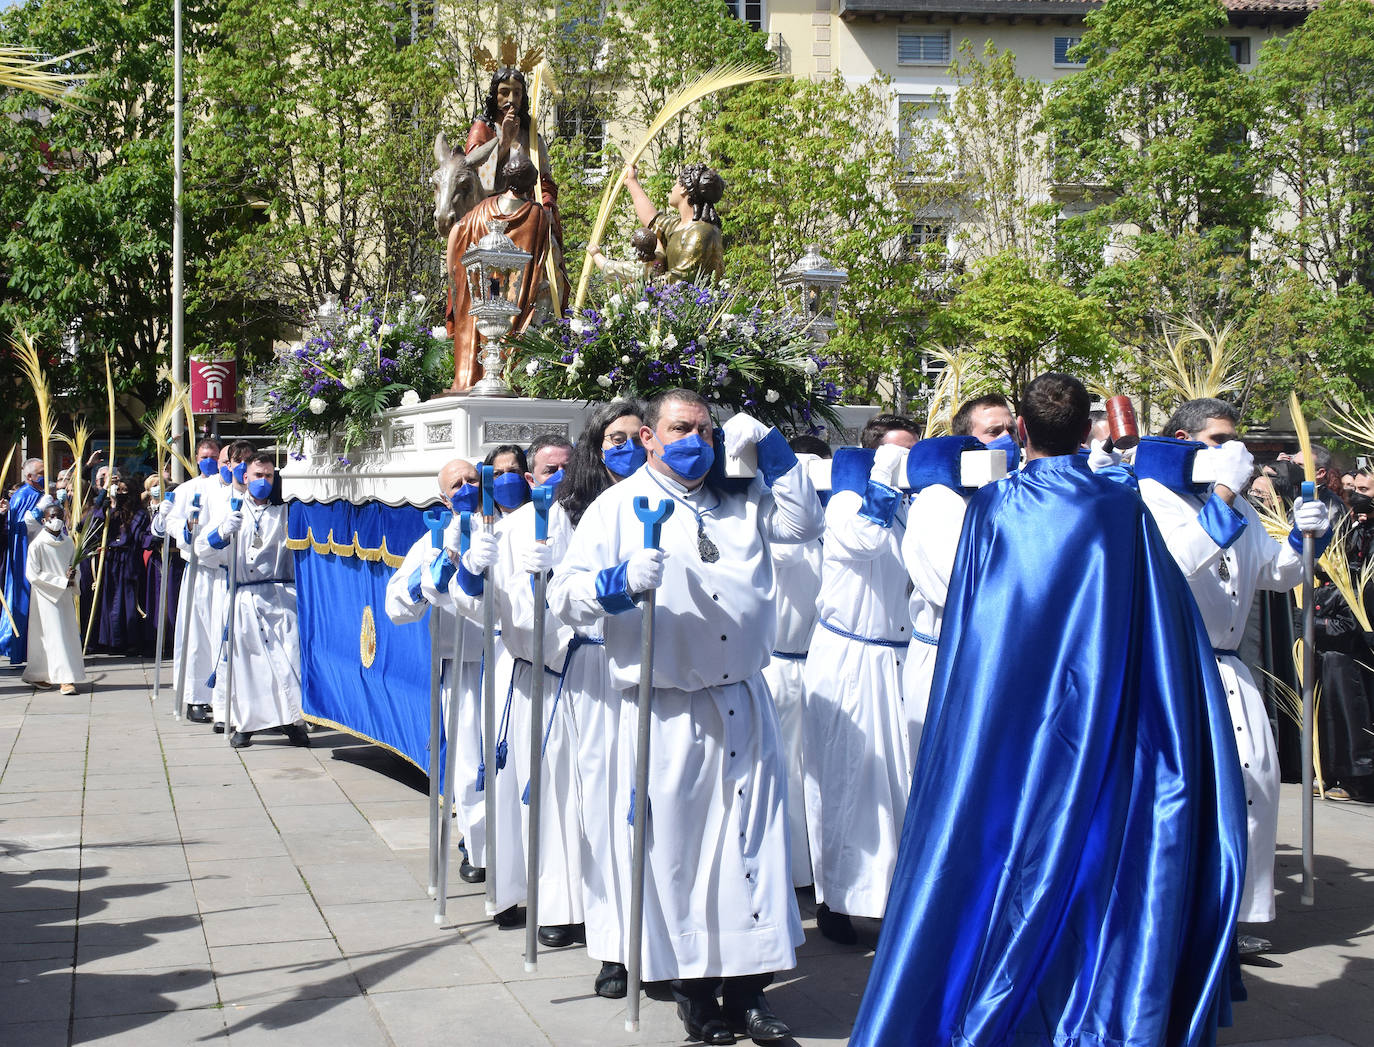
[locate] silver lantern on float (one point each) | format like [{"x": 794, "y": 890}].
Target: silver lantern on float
[
  {"x": 811, "y": 289},
  {"x": 495, "y": 265}
]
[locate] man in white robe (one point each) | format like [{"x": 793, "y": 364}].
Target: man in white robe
[
  {"x": 421, "y": 583},
  {"x": 249, "y": 539},
  {"x": 1221, "y": 545},
  {"x": 858, "y": 770},
  {"x": 54, "y": 652},
  {"x": 720, "y": 914},
  {"x": 198, "y": 595}
]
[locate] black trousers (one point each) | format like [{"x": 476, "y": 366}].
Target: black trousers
[{"x": 741, "y": 989}]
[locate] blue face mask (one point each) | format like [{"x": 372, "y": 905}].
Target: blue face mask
[
  {"x": 239, "y": 470},
  {"x": 1005, "y": 442},
  {"x": 553, "y": 481},
  {"x": 225, "y": 475},
  {"x": 62, "y": 497},
  {"x": 260, "y": 488},
  {"x": 626, "y": 458},
  {"x": 208, "y": 467},
  {"x": 466, "y": 499},
  {"x": 689, "y": 457},
  {"x": 510, "y": 490}
]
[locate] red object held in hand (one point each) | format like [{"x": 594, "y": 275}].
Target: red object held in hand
[{"x": 1121, "y": 423}]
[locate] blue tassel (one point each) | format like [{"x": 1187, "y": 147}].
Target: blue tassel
[
  {"x": 481, "y": 777},
  {"x": 631, "y": 817},
  {"x": 525, "y": 796},
  {"x": 501, "y": 749},
  {"x": 210, "y": 683}
]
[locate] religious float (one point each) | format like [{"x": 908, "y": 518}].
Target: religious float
[{"x": 362, "y": 398}]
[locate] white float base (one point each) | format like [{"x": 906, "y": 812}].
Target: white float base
[{"x": 400, "y": 460}]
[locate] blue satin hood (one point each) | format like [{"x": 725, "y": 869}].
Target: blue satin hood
[{"x": 1074, "y": 847}]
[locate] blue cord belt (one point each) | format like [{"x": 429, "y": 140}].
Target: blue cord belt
[
  {"x": 789, "y": 656},
  {"x": 898, "y": 645},
  {"x": 1221, "y": 653},
  {"x": 934, "y": 641}
]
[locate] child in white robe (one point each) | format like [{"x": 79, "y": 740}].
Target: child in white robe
[{"x": 54, "y": 636}]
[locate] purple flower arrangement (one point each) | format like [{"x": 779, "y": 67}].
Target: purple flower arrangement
[
  {"x": 353, "y": 364},
  {"x": 735, "y": 350}
]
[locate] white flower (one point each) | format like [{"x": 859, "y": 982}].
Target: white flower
[
  {"x": 532, "y": 367},
  {"x": 615, "y": 302},
  {"x": 349, "y": 382},
  {"x": 410, "y": 398},
  {"x": 669, "y": 341},
  {"x": 355, "y": 330},
  {"x": 604, "y": 381},
  {"x": 385, "y": 330},
  {"x": 578, "y": 325},
  {"x": 317, "y": 405},
  {"x": 418, "y": 299},
  {"x": 810, "y": 367},
  {"x": 772, "y": 396},
  {"x": 624, "y": 359},
  {"x": 617, "y": 398},
  {"x": 438, "y": 332},
  {"x": 641, "y": 307},
  {"x": 357, "y": 373}
]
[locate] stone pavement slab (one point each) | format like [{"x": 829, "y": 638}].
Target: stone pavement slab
[{"x": 159, "y": 888}]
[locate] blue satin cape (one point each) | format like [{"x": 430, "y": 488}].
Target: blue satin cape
[
  {"x": 1074, "y": 846},
  {"x": 14, "y": 642}
]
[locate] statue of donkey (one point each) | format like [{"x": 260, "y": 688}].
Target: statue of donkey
[{"x": 457, "y": 184}]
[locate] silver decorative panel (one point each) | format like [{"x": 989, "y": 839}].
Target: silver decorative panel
[
  {"x": 403, "y": 436},
  {"x": 438, "y": 433},
  {"x": 520, "y": 432}
]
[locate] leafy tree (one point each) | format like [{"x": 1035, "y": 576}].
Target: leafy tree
[
  {"x": 321, "y": 117},
  {"x": 86, "y": 197},
  {"x": 1010, "y": 324}
]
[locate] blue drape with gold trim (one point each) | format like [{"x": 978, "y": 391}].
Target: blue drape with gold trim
[{"x": 359, "y": 672}]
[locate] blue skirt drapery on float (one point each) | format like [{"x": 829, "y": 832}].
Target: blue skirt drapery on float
[{"x": 1074, "y": 845}]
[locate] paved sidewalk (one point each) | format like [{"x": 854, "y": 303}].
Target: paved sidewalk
[{"x": 159, "y": 888}]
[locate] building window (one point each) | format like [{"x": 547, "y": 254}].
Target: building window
[
  {"x": 586, "y": 122},
  {"x": 1062, "y": 46},
  {"x": 914, "y": 134},
  {"x": 750, "y": 11},
  {"x": 1240, "y": 49},
  {"x": 922, "y": 48},
  {"x": 922, "y": 235}
]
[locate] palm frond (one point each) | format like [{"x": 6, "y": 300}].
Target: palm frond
[
  {"x": 1355, "y": 424},
  {"x": 1309, "y": 464},
  {"x": 78, "y": 441},
  {"x": 32, "y": 367},
  {"x": 160, "y": 428},
  {"x": 720, "y": 78},
  {"x": 1336, "y": 563},
  {"x": 1289, "y": 702},
  {"x": 23, "y": 69},
  {"x": 1199, "y": 361}
]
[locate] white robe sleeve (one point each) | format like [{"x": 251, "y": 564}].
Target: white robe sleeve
[
  {"x": 850, "y": 536},
  {"x": 1280, "y": 565},
  {"x": 45, "y": 572},
  {"x": 792, "y": 511},
  {"x": 933, "y": 526},
  {"x": 1193, "y": 549},
  {"x": 594, "y": 547}
]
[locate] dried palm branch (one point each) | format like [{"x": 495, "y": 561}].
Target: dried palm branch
[
  {"x": 1289, "y": 702},
  {"x": 23, "y": 69},
  {"x": 1353, "y": 423},
  {"x": 1199, "y": 361},
  {"x": 1309, "y": 464},
  {"x": 32, "y": 367},
  {"x": 109, "y": 486},
  {"x": 1336, "y": 563},
  {"x": 5, "y": 472},
  {"x": 712, "y": 81},
  {"x": 160, "y": 429},
  {"x": 543, "y": 79}
]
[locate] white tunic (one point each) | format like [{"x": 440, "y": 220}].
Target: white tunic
[
  {"x": 1253, "y": 562},
  {"x": 718, "y": 891},
  {"x": 934, "y": 522},
  {"x": 202, "y": 597},
  {"x": 858, "y": 770},
  {"x": 404, "y": 605},
  {"x": 266, "y": 643},
  {"x": 797, "y": 567},
  {"x": 54, "y": 635}
]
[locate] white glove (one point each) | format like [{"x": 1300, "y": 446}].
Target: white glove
[
  {"x": 887, "y": 463},
  {"x": 1100, "y": 458},
  {"x": 453, "y": 533},
  {"x": 1311, "y": 517},
  {"x": 741, "y": 431},
  {"x": 536, "y": 558},
  {"x": 482, "y": 552},
  {"x": 229, "y": 526},
  {"x": 645, "y": 570},
  {"x": 1232, "y": 464}
]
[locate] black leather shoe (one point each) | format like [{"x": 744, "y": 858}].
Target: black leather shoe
[
  {"x": 835, "y": 925},
  {"x": 219, "y": 727},
  {"x": 758, "y": 1022},
  {"x": 704, "y": 1021},
  {"x": 469, "y": 873},
  {"x": 198, "y": 713},
  {"x": 512, "y": 917},
  {"x": 613, "y": 981},
  {"x": 241, "y": 739},
  {"x": 561, "y": 935},
  {"x": 297, "y": 734}
]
